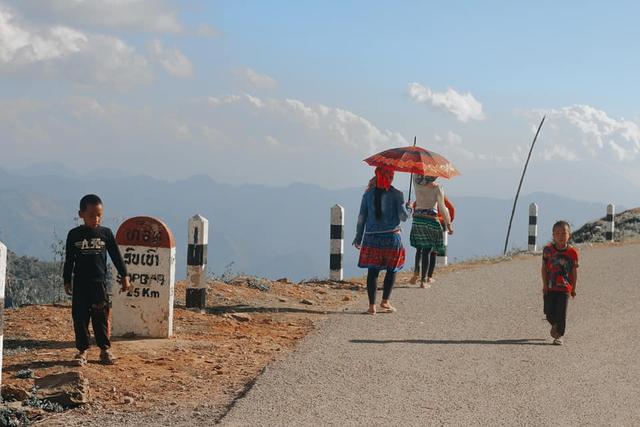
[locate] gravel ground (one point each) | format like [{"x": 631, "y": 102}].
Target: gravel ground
[{"x": 472, "y": 350}]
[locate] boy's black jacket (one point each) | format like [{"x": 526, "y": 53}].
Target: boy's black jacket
[{"x": 86, "y": 261}]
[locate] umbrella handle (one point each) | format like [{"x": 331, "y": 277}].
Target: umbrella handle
[{"x": 411, "y": 179}]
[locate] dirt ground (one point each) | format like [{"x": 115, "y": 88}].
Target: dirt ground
[{"x": 210, "y": 360}]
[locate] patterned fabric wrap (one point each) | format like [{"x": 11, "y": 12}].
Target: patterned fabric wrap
[
  {"x": 426, "y": 233},
  {"x": 382, "y": 251},
  {"x": 421, "y": 213}
]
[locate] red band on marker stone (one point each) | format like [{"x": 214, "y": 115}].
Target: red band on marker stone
[{"x": 145, "y": 231}]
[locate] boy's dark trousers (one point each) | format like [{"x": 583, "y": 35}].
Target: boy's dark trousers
[
  {"x": 82, "y": 311},
  {"x": 555, "y": 308}
]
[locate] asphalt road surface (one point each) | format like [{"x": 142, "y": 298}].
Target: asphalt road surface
[{"x": 472, "y": 350}]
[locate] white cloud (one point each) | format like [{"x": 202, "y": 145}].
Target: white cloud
[
  {"x": 63, "y": 52},
  {"x": 559, "y": 152},
  {"x": 336, "y": 125},
  {"x": 136, "y": 15},
  {"x": 19, "y": 46},
  {"x": 457, "y": 149},
  {"x": 255, "y": 79},
  {"x": 172, "y": 60},
  {"x": 579, "y": 131},
  {"x": 463, "y": 107}
]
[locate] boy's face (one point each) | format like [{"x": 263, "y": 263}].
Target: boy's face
[
  {"x": 92, "y": 215},
  {"x": 561, "y": 236}
]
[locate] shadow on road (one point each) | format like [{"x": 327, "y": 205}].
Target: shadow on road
[
  {"x": 243, "y": 308},
  {"x": 536, "y": 341}
]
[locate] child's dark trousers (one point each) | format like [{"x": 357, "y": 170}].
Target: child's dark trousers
[
  {"x": 82, "y": 312},
  {"x": 555, "y": 308}
]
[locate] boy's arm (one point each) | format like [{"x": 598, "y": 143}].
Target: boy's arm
[
  {"x": 574, "y": 280},
  {"x": 69, "y": 261},
  {"x": 118, "y": 262},
  {"x": 543, "y": 272}
]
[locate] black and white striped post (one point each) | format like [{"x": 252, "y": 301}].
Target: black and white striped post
[
  {"x": 197, "y": 262},
  {"x": 3, "y": 273},
  {"x": 611, "y": 211},
  {"x": 443, "y": 260},
  {"x": 533, "y": 227},
  {"x": 336, "y": 253}
]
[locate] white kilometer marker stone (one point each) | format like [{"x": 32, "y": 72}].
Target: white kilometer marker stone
[{"x": 149, "y": 252}]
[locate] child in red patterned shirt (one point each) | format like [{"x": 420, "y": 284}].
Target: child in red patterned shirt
[{"x": 559, "y": 278}]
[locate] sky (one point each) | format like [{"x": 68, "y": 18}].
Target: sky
[{"x": 279, "y": 92}]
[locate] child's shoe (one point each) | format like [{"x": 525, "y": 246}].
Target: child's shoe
[
  {"x": 80, "y": 359},
  {"x": 107, "y": 358},
  {"x": 557, "y": 341}
]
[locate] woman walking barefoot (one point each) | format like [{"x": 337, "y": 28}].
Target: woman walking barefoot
[
  {"x": 378, "y": 236},
  {"x": 426, "y": 230}
]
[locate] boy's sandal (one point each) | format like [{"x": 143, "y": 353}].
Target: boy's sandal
[
  {"x": 107, "y": 358},
  {"x": 80, "y": 359}
]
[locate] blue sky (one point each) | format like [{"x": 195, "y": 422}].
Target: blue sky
[{"x": 281, "y": 92}]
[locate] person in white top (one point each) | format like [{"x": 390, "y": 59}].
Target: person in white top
[{"x": 426, "y": 231}]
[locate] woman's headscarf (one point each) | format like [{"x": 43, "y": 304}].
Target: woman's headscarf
[
  {"x": 383, "y": 178},
  {"x": 381, "y": 182}
]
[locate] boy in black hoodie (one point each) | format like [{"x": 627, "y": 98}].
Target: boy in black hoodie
[{"x": 86, "y": 261}]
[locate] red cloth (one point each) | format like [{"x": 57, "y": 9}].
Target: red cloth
[
  {"x": 450, "y": 208},
  {"x": 384, "y": 177},
  {"x": 559, "y": 264}
]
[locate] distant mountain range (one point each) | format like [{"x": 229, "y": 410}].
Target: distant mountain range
[{"x": 267, "y": 231}]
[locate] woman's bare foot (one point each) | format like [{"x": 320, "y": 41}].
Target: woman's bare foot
[
  {"x": 414, "y": 279},
  {"x": 372, "y": 309},
  {"x": 430, "y": 280},
  {"x": 424, "y": 284},
  {"x": 386, "y": 307}
]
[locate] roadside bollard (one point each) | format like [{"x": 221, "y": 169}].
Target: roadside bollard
[
  {"x": 533, "y": 227},
  {"x": 336, "y": 247},
  {"x": 197, "y": 262},
  {"x": 3, "y": 273},
  {"x": 611, "y": 211},
  {"x": 442, "y": 260}
]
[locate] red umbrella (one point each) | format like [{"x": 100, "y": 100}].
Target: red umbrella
[{"x": 414, "y": 160}]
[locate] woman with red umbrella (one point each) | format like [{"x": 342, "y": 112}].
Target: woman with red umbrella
[
  {"x": 426, "y": 230},
  {"x": 378, "y": 235}
]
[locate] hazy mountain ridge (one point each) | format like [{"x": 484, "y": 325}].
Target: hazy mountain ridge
[{"x": 269, "y": 231}]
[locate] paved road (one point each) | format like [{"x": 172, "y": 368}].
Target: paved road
[{"x": 472, "y": 350}]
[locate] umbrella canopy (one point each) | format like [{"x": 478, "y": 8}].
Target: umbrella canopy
[{"x": 415, "y": 160}]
